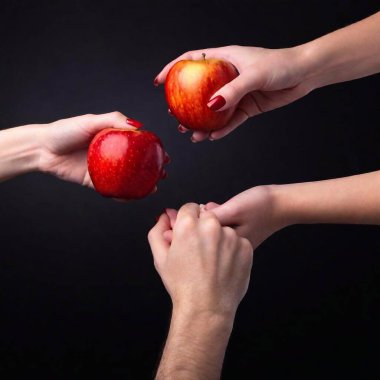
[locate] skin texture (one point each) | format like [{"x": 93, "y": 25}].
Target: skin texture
[
  {"x": 259, "y": 212},
  {"x": 59, "y": 148},
  {"x": 205, "y": 269},
  {"x": 125, "y": 164},
  {"x": 272, "y": 78},
  {"x": 188, "y": 88}
]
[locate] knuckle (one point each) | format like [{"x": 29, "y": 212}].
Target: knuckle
[
  {"x": 116, "y": 114},
  {"x": 150, "y": 235},
  {"x": 211, "y": 225},
  {"x": 246, "y": 245},
  {"x": 186, "y": 223},
  {"x": 229, "y": 233},
  {"x": 157, "y": 265},
  {"x": 88, "y": 117}
]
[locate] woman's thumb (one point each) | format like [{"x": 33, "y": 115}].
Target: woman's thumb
[
  {"x": 222, "y": 212},
  {"x": 231, "y": 93}
]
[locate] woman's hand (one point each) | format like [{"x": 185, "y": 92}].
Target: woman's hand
[
  {"x": 64, "y": 144},
  {"x": 255, "y": 214},
  {"x": 269, "y": 78}
]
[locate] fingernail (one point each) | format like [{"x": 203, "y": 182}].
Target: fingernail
[
  {"x": 182, "y": 129},
  {"x": 166, "y": 158},
  {"x": 216, "y": 103},
  {"x": 193, "y": 140},
  {"x": 155, "y": 82},
  {"x": 170, "y": 112},
  {"x": 134, "y": 123}
]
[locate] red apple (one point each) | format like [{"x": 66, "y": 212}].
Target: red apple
[
  {"x": 188, "y": 88},
  {"x": 126, "y": 163}
]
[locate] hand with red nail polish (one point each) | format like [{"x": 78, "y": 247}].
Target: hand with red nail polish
[
  {"x": 269, "y": 78},
  {"x": 64, "y": 144},
  {"x": 134, "y": 123}
]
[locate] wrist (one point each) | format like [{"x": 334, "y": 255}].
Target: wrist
[
  {"x": 195, "y": 322},
  {"x": 284, "y": 205},
  {"x": 20, "y": 150}
]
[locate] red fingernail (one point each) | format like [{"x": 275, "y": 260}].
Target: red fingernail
[
  {"x": 134, "y": 123},
  {"x": 182, "y": 129},
  {"x": 155, "y": 82},
  {"x": 166, "y": 158},
  {"x": 216, "y": 103}
]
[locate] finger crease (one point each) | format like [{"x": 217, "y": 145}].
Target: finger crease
[
  {"x": 244, "y": 112},
  {"x": 256, "y": 103}
]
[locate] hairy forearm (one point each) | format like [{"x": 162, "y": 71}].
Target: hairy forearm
[
  {"x": 195, "y": 346},
  {"x": 19, "y": 151},
  {"x": 349, "y": 200},
  {"x": 346, "y": 54}
]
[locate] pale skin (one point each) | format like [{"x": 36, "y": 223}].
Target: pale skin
[
  {"x": 58, "y": 148},
  {"x": 259, "y": 212},
  {"x": 196, "y": 345},
  {"x": 272, "y": 78},
  {"x": 205, "y": 269},
  {"x": 269, "y": 79}
]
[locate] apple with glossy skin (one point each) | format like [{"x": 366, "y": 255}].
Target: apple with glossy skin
[
  {"x": 188, "y": 88},
  {"x": 125, "y": 163}
]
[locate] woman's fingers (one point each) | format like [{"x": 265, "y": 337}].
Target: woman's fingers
[{"x": 193, "y": 55}]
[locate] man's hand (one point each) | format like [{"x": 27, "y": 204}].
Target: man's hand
[
  {"x": 254, "y": 214},
  {"x": 206, "y": 270}
]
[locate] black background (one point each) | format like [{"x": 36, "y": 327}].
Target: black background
[{"x": 79, "y": 293}]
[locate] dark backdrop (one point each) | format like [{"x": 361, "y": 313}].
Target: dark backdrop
[{"x": 79, "y": 294}]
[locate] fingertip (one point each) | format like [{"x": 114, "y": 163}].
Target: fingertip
[
  {"x": 199, "y": 136},
  {"x": 167, "y": 158},
  {"x": 216, "y": 103},
  {"x": 134, "y": 123},
  {"x": 211, "y": 205},
  {"x": 168, "y": 236},
  {"x": 162, "y": 218},
  {"x": 182, "y": 129},
  {"x": 172, "y": 213}
]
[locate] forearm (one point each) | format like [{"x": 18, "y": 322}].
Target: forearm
[
  {"x": 349, "y": 200},
  {"x": 19, "y": 151},
  {"x": 346, "y": 54},
  {"x": 195, "y": 347}
]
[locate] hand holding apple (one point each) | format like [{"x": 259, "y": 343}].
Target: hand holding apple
[
  {"x": 188, "y": 88},
  {"x": 126, "y": 163},
  {"x": 64, "y": 143},
  {"x": 269, "y": 78}
]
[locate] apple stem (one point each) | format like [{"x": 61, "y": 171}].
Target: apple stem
[{"x": 204, "y": 55}]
